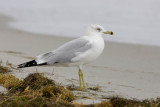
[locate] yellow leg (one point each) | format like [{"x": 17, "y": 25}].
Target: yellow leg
[
  {"x": 79, "y": 73},
  {"x": 83, "y": 80}
]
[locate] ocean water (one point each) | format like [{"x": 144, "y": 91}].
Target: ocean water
[{"x": 132, "y": 21}]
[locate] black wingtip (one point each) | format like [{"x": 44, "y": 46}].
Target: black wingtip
[
  {"x": 20, "y": 66},
  {"x": 28, "y": 64}
]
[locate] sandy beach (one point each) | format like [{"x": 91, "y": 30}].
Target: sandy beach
[{"x": 127, "y": 70}]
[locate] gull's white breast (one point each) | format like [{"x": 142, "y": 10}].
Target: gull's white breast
[{"x": 95, "y": 51}]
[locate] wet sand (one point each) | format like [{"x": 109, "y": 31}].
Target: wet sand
[{"x": 126, "y": 70}]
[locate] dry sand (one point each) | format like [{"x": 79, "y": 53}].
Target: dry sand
[{"x": 131, "y": 71}]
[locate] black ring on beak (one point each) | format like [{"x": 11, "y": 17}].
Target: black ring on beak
[{"x": 111, "y": 33}]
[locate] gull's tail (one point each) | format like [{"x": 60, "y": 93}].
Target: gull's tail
[{"x": 30, "y": 64}]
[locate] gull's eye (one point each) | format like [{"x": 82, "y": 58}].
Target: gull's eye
[{"x": 98, "y": 29}]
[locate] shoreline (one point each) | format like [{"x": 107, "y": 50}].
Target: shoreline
[
  {"x": 123, "y": 69},
  {"x": 5, "y": 19}
]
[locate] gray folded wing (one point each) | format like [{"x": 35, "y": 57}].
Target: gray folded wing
[{"x": 65, "y": 52}]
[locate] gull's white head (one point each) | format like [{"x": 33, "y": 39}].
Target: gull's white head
[{"x": 94, "y": 29}]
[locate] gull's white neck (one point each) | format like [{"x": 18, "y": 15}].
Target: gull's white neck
[
  {"x": 97, "y": 42},
  {"x": 95, "y": 36}
]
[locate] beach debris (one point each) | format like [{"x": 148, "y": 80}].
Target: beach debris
[
  {"x": 4, "y": 69},
  {"x": 123, "y": 102},
  {"x": 34, "y": 90},
  {"x": 9, "y": 81},
  {"x": 1, "y": 62},
  {"x": 38, "y": 91},
  {"x": 96, "y": 88}
]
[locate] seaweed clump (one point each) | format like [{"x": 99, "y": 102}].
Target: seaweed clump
[
  {"x": 33, "y": 82},
  {"x": 122, "y": 102},
  {"x": 4, "y": 69},
  {"x": 34, "y": 91},
  {"x": 9, "y": 81}
]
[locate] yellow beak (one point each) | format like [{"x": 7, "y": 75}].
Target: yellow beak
[{"x": 108, "y": 32}]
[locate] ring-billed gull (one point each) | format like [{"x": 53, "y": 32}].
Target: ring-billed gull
[{"x": 74, "y": 53}]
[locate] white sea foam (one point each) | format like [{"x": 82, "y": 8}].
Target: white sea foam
[{"x": 136, "y": 21}]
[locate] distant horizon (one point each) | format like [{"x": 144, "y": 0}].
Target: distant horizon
[{"x": 133, "y": 22}]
